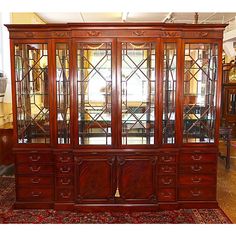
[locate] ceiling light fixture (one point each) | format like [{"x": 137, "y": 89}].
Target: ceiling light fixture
[
  {"x": 169, "y": 17},
  {"x": 124, "y": 16}
]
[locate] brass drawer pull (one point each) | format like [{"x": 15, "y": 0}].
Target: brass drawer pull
[
  {"x": 196, "y": 193},
  {"x": 196, "y": 157},
  {"x": 65, "y": 195},
  {"x": 167, "y": 181},
  {"x": 35, "y": 180},
  {"x": 167, "y": 169},
  {"x": 36, "y": 194},
  {"x": 32, "y": 158},
  {"x": 35, "y": 168},
  {"x": 65, "y": 181},
  {"x": 166, "y": 194},
  {"x": 166, "y": 158},
  {"x": 64, "y": 159},
  {"x": 65, "y": 169},
  {"x": 196, "y": 168},
  {"x": 196, "y": 179}
]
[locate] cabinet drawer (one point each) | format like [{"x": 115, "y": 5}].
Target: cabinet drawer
[
  {"x": 167, "y": 158},
  {"x": 46, "y": 158},
  {"x": 197, "y": 193},
  {"x": 166, "y": 194},
  {"x": 198, "y": 168},
  {"x": 34, "y": 194},
  {"x": 34, "y": 169},
  {"x": 198, "y": 157},
  {"x": 64, "y": 158},
  {"x": 202, "y": 180},
  {"x": 65, "y": 169},
  {"x": 64, "y": 194},
  {"x": 167, "y": 169},
  {"x": 166, "y": 180},
  {"x": 34, "y": 180},
  {"x": 64, "y": 181}
]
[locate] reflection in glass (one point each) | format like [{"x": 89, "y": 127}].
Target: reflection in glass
[
  {"x": 138, "y": 93},
  {"x": 94, "y": 93},
  {"x": 169, "y": 92},
  {"x": 232, "y": 75},
  {"x": 32, "y": 101},
  {"x": 63, "y": 93},
  {"x": 231, "y": 108},
  {"x": 200, "y": 76}
]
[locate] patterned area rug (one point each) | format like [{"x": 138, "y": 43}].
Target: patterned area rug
[{"x": 182, "y": 216}]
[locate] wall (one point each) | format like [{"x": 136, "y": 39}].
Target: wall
[
  {"x": 26, "y": 18},
  {"x": 10, "y": 18}
]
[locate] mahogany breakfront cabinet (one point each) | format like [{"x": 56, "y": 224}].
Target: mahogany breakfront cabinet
[{"x": 116, "y": 116}]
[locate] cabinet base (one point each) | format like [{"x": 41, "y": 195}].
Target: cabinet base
[
  {"x": 116, "y": 207},
  {"x": 198, "y": 205},
  {"x": 33, "y": 205}
]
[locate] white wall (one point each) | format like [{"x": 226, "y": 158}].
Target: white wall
[{"x": 5, "y": 18}]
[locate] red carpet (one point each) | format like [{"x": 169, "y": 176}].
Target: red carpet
[{"x": 182, "y": 216}]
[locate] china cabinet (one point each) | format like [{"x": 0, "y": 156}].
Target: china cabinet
[
  {"x": 229, "y": 97},
  {"x": 116, "y": 116}
]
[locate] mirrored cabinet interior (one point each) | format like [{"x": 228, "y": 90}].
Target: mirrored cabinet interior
[{"x": 116, "y": 116}]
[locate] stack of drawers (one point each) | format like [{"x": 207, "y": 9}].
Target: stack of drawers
[
  {"x": 167, "y": 177},
  {"x": 34, "y": 177},
  {"x": 64, "y": 177},
  {"x": 197, "y": 176}
]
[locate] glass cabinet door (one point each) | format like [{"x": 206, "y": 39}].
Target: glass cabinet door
[
  {"x": 138, "y": 92},
  {"x": 200, "y": 78},
  {"x": 32, "y": 87},
  {"x": 94, "y": 84},
  {"x": 63, "y": 93},
  {"x": 169, "y": 93}
]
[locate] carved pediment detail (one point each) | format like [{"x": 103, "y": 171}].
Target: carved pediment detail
[
  {"x": 138, "y": 32},
  {"x": 203, "y": 34},
  {"x": 61, "y": 34},
  {"x": 170, "y": 34},
  {"x": 93, "y": 33}
]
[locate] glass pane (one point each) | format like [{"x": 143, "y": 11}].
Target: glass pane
[
  {"x": 169, "y": 92},
  {"x": 32, "y": 100},
  {"x": 232, "y": 75},
  {"x": 63, "y": 93},
  {"x": 231, "y": 108},
  {"x": 94, "y": 93},
  {"x": 200, "y": 76},
  {"x": 138, "y": 93}
]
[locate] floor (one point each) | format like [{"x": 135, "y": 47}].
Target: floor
[{"x": 226, "y": 184}]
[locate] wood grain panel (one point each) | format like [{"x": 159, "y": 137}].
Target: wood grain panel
[
  {"x": 136, "y": 179},
  {"x": 95, "y": 179}
]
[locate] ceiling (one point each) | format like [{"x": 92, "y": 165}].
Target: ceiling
[{"x": 173, "y": 17}]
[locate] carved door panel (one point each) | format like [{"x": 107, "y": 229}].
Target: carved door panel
[
  {"x": 136, "y": 179},
  {"x": 95, "y": 179}
]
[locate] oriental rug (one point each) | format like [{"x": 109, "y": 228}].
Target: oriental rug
[{"x": 49, "y": 216}]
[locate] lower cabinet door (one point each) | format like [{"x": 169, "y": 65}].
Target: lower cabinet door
[
  {"x": 136, "y": 179},
  {"x": 95, "y": 179}
]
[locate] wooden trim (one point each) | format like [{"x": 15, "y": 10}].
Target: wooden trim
[
  {"x": 218, "y": 91},
  {"x": 116, "y": 30}
]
